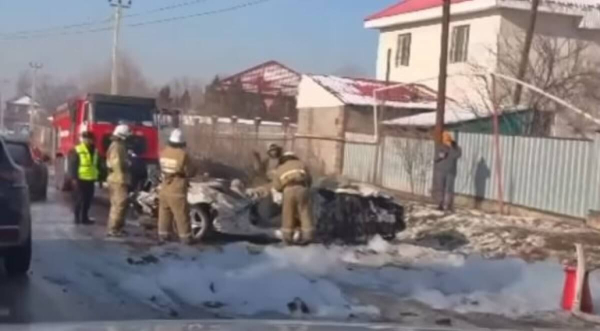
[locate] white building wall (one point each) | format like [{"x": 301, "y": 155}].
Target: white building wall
[{"x": 425, "y": 52}]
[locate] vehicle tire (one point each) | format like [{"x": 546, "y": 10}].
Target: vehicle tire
[
  {"x": 18, "y": 260},
  {"x": 201, "y": 222}
]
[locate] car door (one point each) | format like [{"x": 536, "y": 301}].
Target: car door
[{"x": 21, "y": 154}]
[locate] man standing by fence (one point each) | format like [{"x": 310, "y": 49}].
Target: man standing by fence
[{"x": 446, "y": 163}]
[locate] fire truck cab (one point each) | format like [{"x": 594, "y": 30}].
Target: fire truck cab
[{"x": 100, "y": 114}]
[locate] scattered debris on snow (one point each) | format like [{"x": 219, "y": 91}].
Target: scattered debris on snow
[
  {"x": 248, "y": 280},
  {"x": 470, "y": 232}
]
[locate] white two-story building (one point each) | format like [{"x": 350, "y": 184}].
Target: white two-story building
[{"x": 484, "y": 35}]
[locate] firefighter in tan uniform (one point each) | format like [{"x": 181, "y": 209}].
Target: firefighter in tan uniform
[
  {"x": 176, "y": 170},
  {"x": 293, "y": 179},
  {"x": 118, "y": 180}
]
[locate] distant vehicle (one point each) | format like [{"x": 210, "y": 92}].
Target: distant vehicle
[
  {"x": 15, "y": 223},
  {"x": 36, "y": 171},
  {"x": 100, "y": 114}
]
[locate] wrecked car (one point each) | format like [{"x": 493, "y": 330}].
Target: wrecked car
[{"x": 343, "y": 213}]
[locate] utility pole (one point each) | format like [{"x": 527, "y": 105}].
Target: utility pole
[
  {"x": 2, "y": 127},
  {"x": 34, "y": 67},
  {"x": 526, "y": 50},
  {"x": 441, "y": 97},
  {"x": 114, "y": 76}
]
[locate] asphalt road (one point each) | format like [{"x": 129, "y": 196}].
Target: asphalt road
[{"x": 63, "y": 252}]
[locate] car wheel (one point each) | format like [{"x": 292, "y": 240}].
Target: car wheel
[
  {"x": 201, "y": 223},
  {"x": 18, "y": 259}
]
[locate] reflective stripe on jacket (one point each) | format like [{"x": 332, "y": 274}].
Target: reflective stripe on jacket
[
  {"x": 292, "y": 172},
  {"x": 88, "y": 163},
  {"x": 176, "y": 169}
]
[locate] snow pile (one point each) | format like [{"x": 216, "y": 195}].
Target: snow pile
[
  {"x": 247, "y": 280},
  {"x": 240, "y": 281}
]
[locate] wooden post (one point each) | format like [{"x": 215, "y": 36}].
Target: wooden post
[
  {"x": 443, "y": 74},
  {"x": 526, "y": 50}
]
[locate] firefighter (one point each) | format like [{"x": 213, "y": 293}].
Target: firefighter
[
  {"x": 293, "y": 179},
  {"x": 83, "y": 170},
  {"x": 176, "y": 169},
  {"x": 275, "y": 152},
  {"x": 446, "y": 163},
  {"x": 119, "y": 179},
  {"x": 264, "y": 167}
]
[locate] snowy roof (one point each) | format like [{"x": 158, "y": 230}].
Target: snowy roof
[
  {"x": 428, "y": 119},
  {"x": 22, "y": 101},
  {"x": 269, "y": 78},
  {"x": 358, "y": 91},
  {"x": 197, "y": 119},
  {"x": 588, "y": 9}
]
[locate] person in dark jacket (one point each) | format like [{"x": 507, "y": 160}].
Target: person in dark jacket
[
  {"x": 83, "y": 171},
  {"x": 445, "y": 168}
]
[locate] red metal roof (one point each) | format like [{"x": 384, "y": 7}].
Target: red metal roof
[
  {"x": 408, "y": 6},
  {"x": 270, "y": 78}
]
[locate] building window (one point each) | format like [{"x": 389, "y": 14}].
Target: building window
[
  {"x": 403, "y": 51},
  {"x": 460, "y": 44}
]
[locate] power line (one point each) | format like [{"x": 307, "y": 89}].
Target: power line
[
  {"x": 140, "y": 24},
  {"x": 166, "y": 8},
  {"x": 101, "y": 21},
  {"x": 65, "y": 33},
  {"x": 206, "y": 13},
  {"x": 56, "y": 28}
]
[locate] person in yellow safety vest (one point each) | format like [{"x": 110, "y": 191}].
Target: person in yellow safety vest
[
  {"x": 83, "y": 171},
  {"x": 119, "y": 179},
  {"x": 176, "y": 169},
  {"x": 293, "y": 179}
]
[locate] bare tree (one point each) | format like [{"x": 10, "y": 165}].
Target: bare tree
[
  {"x": 416, "y": 153},
  {"x": 132, "y": 80},
  {"x": 23, "y": 84},
  {"x": 564, "y": 67},
  {"x": 50, "y": 91},
  {"x": 187, "y": 93}
]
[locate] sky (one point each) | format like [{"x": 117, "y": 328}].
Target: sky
[{"x": 316, "y": 36}]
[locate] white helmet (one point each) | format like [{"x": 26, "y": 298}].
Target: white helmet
[
  {"x": 176, "y": 137},
  {"x": 122, "y": 131}
]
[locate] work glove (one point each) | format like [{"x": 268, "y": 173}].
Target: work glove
[
  {"x": 252, "y": 194},
  {"x": 277, "y": 196}
]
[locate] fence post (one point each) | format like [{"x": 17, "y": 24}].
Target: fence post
[
  {"x": 380, "y": 155},
  {"x": 286, "y": 125},
  {"x": 593, "y": 193},
  {"x": 257, "y": 122}
]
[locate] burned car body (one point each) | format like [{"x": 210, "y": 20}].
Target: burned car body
[{"x": 345, "y": 213}]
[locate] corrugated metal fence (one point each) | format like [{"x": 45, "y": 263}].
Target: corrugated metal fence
[{"x": 554, "y": 175}]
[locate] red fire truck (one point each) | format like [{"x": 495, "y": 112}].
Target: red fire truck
[{"x": 100, "y": 114}]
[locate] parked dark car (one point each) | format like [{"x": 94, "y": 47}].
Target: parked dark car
[
  {"x": 15, "y": 223},
  {"x": 36, "y": 171}
]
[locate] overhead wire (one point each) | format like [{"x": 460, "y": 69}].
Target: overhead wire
[
  {"x": 206, "y": 13},
  {"x": 50, "y": 31}
]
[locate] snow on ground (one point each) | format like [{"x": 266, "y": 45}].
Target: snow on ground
[
  {"x": 495, "y": 236},
  {"x": 244, "y": 279},
  {"x": 442, "y": 261}
]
